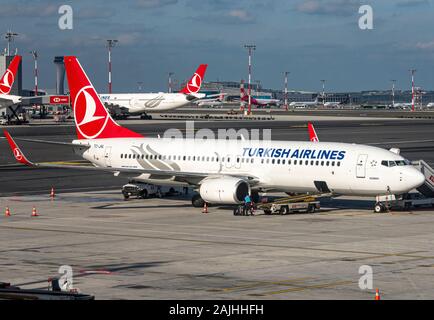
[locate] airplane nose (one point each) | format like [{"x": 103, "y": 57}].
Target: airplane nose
[{"x": 416, "y": 178}]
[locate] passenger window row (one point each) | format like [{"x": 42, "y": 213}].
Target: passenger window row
[{"x": 239, "y": 160}]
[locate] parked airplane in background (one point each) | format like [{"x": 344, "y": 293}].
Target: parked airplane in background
[
  {"x": 140, "y": 103},
  {"x": 6, "y": 83},
  {"x": 260, "y": 102},
  {"x": 225, "y": 171},
  {"x": 430, "y": 105},
  {"x": 304, "y": 104},
  {"x": 213, "y": 100},
  {"x": 401, "y": 105},
  {"x": 332, "y": 104}
]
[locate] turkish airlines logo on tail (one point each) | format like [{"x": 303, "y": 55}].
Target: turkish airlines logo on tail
[
  {"x": 6, "y": 82},
  {"x": 90, "y": 115},
  {"x": 193, "y": 86},
  {"x": 17, "y": 154}
]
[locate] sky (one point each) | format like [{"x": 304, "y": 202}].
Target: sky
[{"x": 312, "y": 39}]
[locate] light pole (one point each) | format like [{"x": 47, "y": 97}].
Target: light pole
[
  {"x": 250, "y": 48},
  {"x": 286, "y": 90},
  {"x": 393, "y": 92},
  {"x": 110, "y": 44},
  {"x": 34, "y": 53},
  {"x": 323, "y": 92},
  {"x": 412, "y": 71},
  {"x": 170, "y": 81},
  {"x": 9, "y": 38}
]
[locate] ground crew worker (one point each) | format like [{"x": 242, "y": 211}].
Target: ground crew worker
[{"x": 247, "y": 205}]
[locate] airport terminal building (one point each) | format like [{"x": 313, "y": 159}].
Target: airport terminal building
[{"x": 369, "y": 97}]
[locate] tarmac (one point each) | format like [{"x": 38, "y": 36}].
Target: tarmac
[{"x": 165, "y": 249}]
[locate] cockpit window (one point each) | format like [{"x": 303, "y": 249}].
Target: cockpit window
[{"x": 390, "y": 163}]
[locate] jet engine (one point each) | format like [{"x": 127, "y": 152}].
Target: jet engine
[{"x": 225, "y": 190}]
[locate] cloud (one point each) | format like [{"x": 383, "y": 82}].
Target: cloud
[
  {"x": 412, "y": 3},
  {"x": 150, "y": 4},
  {"x": 96, "y": 13},
  {"x": 27, "y": 10},
  {"x": 328, "y": 7},
  {"x": 241, "y": 15},
  {"x": 425, "y": 45}
]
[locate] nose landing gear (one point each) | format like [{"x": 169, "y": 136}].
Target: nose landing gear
[{"x": 380, "y": 207}]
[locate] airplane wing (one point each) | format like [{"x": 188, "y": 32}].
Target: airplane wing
[
  {"x": 6, "y": 102},
  {"x": 21, "y": 158}
]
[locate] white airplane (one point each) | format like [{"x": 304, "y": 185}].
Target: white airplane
[
  {"x": 402, "y": 105},
  {"x": 430, "y": 105},
  {"x": 213, "y": 100},
  {"x": 225, "y": 171},
  {"x": 332, "y": 104},
  {"x": 304, "y": 104},
  {"x": 139, "y": 103},
  {"x": 6, "y": 83}
]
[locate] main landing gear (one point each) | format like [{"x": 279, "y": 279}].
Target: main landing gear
[
  {"x": 197, "y": 201},
  {"x": 145, "y": 116}
]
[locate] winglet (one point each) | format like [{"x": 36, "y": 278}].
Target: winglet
[
  {"x": 18, "y": 154},
  {"x": 312, "y": 133},
  {"x": 195, "y": 82}
]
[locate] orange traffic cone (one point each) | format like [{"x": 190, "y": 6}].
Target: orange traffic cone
[
  {"x": 7, "y": 212},
  {"x": 34, "y": 213},
  {"x": 52, "y": 194},
  {"x": 205, "y": 208},
  {"x": 377, "y": 294}
]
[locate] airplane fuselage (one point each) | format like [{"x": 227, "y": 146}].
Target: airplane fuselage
[
  {"x": 138, "y": 103},
  {"x": 276, "y": 165}
]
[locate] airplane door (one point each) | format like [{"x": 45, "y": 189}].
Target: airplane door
[
  {"x": 361, "y": 166},
  {"x": 107, "y": 153},
  {"x": 237, "y": 162}
]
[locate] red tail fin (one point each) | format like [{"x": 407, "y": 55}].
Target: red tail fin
[
  {"x": 242, "y": 91},
  {"x": 92, "y": 121},
  {"x": 7, "y": 81},
  {"x": 312, "y": 133},
  {"x": 195, "y": 82}
]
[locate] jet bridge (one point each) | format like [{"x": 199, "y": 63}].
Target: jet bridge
[{"x": 427, "y": 189}]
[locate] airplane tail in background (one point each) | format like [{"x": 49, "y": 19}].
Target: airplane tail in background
[
  {"x": 312, "y": 133},
  {"x": 242, "y": 91},
  {"x": 7, "y": 80},
  {"x": 193, "y": 85},
  {"x": 92, "y": 121}
]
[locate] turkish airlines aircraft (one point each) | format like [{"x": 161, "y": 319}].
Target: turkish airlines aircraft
[
  {"x": 138, "y": 103},
  {"x": 6, "y": 83},
  {"x": 224, "y": 171},
  {"x": 260, "y": 102}
]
